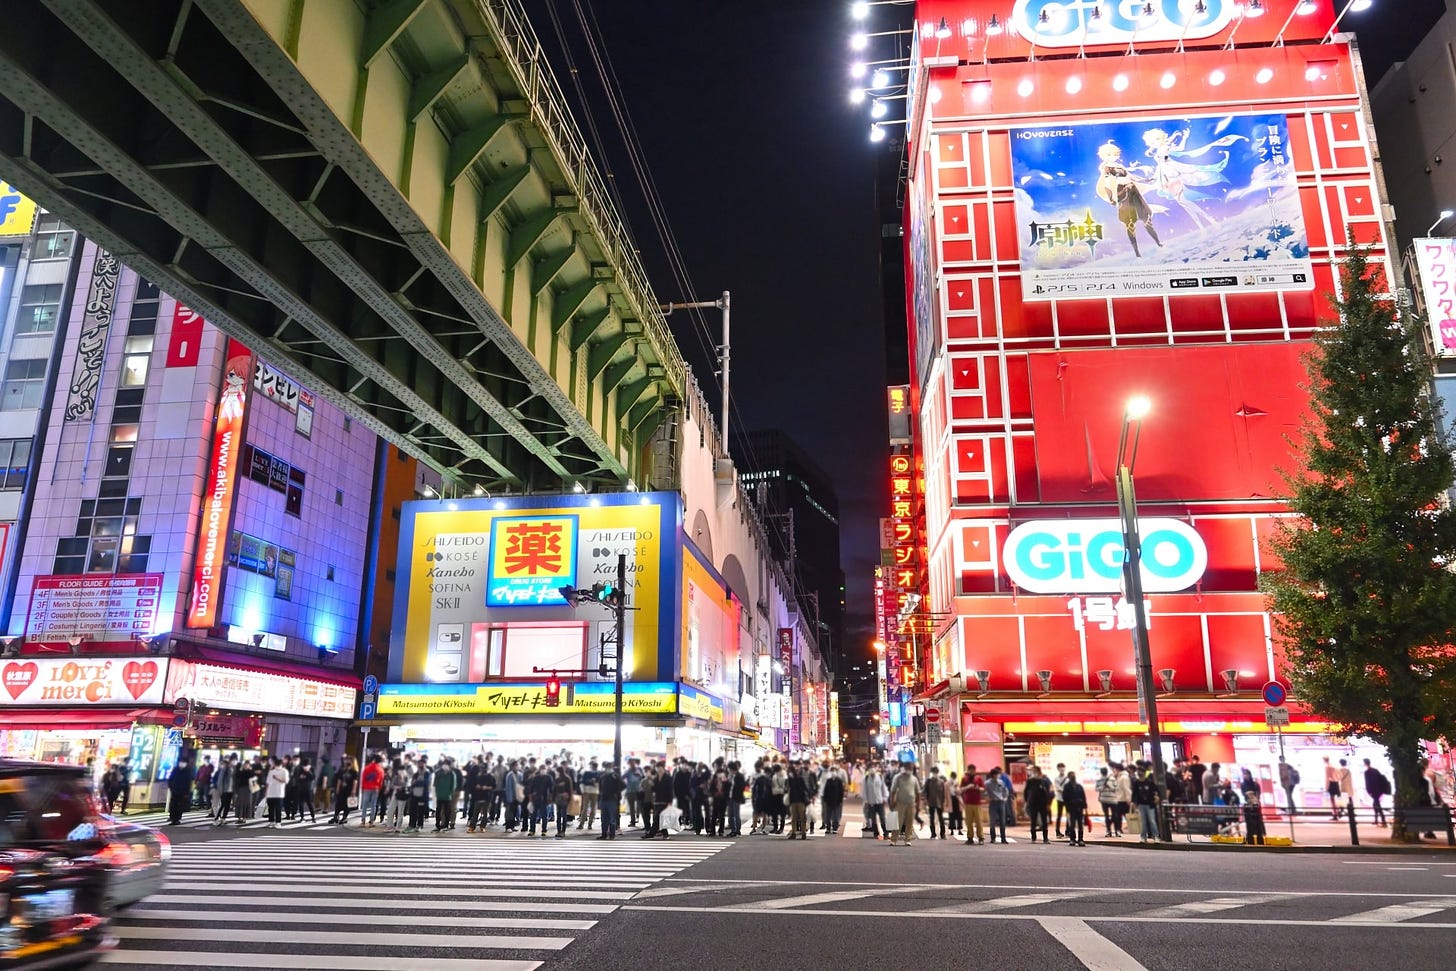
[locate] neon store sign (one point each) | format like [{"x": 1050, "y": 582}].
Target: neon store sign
[
  {"x": 1072, "y": 23},
  {"x": 1085, "y": 556}
]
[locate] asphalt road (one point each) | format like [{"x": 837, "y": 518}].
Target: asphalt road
[{"x": 341, "y": 899}]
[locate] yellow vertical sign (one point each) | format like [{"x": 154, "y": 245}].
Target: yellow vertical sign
[{"x": 17, "y": 213}]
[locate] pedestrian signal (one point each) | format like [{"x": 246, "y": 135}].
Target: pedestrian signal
[{"x": 553, "y": 692}]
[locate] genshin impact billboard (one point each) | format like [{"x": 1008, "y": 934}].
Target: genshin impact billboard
[{"x": 1158, "y": 206}]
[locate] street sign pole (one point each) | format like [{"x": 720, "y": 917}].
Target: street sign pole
[{"x": 1288, "y": 793}]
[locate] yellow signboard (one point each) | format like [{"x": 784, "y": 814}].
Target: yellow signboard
[
  {"x": 697, "y": 704},
  {"x": 17, "y": 213},
  {"x": 586, "y": 698}
]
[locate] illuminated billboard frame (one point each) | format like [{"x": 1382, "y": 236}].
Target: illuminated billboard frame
[{"x": 217, "y": 496}]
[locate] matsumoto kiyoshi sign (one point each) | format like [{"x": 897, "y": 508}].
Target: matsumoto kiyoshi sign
[
  {"x": 1085, "y": 556},
  {"x": 1074, "y": 23}
]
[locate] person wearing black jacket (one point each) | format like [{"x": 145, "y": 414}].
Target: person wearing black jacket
[
  {"x": 1037, "y": 795},
  {"x": 663, "y": 789},
  {"x": 540, "y": 788},
  {"x": 480, "y": 792},
  {"x": 798, "y": 804},
  {"x": 179, "y": 791},
  {"x": 832, "y": 792},
  {"x": 609, "y": 801},
  {"x": 1074, "y": 797},
  {"x": 1145, "y": 798},
  {"x": 737, "y": 793},
  {"x": 682, "y": 786}
]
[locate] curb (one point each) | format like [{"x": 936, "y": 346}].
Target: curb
[{"x": 1365, "y": 848}]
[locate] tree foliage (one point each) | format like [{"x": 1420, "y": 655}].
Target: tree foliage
[{"x": 1365, "y": 604}]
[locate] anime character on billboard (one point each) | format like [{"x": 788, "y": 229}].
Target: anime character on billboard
[
  {"x": 1119, "y": 187},
  {"x": 1180, "y": 179}
]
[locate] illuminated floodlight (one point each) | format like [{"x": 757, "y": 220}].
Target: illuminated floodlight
[
  {"x": 879, "y": 80},
  {"x": 877, "y": 134},
  {"x": 856, "y": 96},
  {"x": 1307, "y": 7},
  {"x": 1074, "y": 85},
  {"x": 1265, "y": 75},
  {"x": 933, "y": 96},
  {"x": 1254, "y": 8},
  {"x": 1146, "y": 14},
  {"x": 859, "y": 10},
  {"x": 859, "y": 41},
  {"x": 1167, "y": 80},
  {"x": 994, "y": 26},
  {"x": 857, "y": 69},
  {"x": 1358, "y": 6},
  {"x": 942, "y": 32},
  {"x": 1138, "y": 407},
  {"x": 1312, "y": 73},
  {"x": 1025, "y": 87},
  {"x": 879, "y": 109},
  {"x": 1216, "y": 77},
  {"x": 1120, "y": 83}
]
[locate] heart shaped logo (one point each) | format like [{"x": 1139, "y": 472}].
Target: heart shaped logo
[
  {"x": 19, "y": 676},
  {"x": 138, "y": 676}
]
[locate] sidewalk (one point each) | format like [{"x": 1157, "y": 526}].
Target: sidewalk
[{"x": 1311, "y": 835}]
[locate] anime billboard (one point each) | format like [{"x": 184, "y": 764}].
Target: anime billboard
[{"x": 1158, "y": 206}]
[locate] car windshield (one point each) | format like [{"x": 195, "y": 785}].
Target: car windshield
[{"x": 45, "y": 809}]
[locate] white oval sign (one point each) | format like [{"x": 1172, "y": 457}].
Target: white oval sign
[{"x": 1085, "y": 556}]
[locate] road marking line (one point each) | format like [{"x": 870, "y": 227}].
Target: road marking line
[
  {"x": 312, "y": 962},
  {"x": 809, "y": 900},
  {"x": 1214, "y": 905},
  {"x": 1387, "y": 862},
  {"x": 395, "y": 903},
  {"x": 898, "y": 915},
  {"x": 1005, "y": 886},
  {"x": 431, "y": 939},
  {"x": 1398, "y": 912},
  {"x": 1411, "y": 869},
  {"x": 1095, "y": 952},
  {"x": 290, "y": 917},
  {"x": 698, "y": 888},
  {"x": 361, "y": 889},
  {"x": 1006, "y": 903}
]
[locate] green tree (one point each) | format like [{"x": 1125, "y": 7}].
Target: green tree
[{"x": 1366, "y": 601}]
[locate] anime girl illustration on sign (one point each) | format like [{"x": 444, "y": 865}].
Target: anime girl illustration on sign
[{"x": 1180, "y": 179}]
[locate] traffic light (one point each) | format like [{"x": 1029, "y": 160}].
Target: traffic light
[
  {"x": 553, "y": 692},
  {"x": 606, "y": 593}
]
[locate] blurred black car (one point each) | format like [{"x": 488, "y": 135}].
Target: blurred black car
[{"x": 53, "y": 879}]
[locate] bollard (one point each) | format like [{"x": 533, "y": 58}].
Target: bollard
[{"x": 1354, "y": 833}]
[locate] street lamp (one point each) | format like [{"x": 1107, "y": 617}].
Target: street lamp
[
  {"x": 1134, "y": 412},
  {"x": 1445, "y": 215}
]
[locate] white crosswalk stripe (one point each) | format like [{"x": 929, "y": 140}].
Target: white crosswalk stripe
[{"x": 347, "y": 901}]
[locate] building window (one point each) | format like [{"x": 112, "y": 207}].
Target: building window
[
  {"x": 338, "y": 497},
  {"x": 53, "y": 240},
  {"x": 515, "y": 652},
  {"x": 348, "y": 424},
  {"x": 14, "y": 463},
  {"x": 136, "y": 360},
  {"x": 329, "y": 574},
  {"x": 40, "y": 305},
  {"x": 293, "y": 495},
  {"x": 118, "y": 462},
  {"x": 24, "y": 385}
]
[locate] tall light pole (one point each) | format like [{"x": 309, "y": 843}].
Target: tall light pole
[
  {"x": 1132, "y": 581},
  {"x": 724, "y": 350}
]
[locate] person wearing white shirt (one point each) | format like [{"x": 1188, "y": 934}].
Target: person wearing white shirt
[{"x": 277, "y": 786}]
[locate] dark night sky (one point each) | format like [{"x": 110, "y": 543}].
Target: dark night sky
[{"x": 768, "y": 182}]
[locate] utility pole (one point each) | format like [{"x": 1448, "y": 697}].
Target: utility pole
[
  {"x": 723, "y": 351},
  {"x": 619, "y": 612}
]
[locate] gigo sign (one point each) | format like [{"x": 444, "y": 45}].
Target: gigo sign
[
  {"x": 1074, "y": 23},
  {"x": 1085, "y": 556}
]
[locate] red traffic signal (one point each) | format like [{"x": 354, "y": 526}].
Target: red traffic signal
[{"x": 553, "y": 692}]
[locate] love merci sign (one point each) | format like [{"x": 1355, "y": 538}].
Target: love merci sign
[{"x": 68, "y": 682}]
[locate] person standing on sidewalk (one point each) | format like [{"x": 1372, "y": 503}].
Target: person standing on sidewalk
[
  {"x": 609, "y": 796},
  {"x": 1332, "y": 787},
  {"x": 1037, "y": 796},
  {"x": 1347, "y": 787},
  {"x": 875, "y": 796},
  {"x": 1075, "y": 799},
  {"x": 589, "y": 793},
  {"x": 226, "y": 774},
  {"x": 346, "y": 787},
  {"x": 973, "y": 792},
  {"x": 447, "y": 790},
  {"x": 1377, "y": 786},
  {"x": 1107, "y": 797},
  {"x": 179, "y": 791},
  {"x": 1145, "y": 798},
  {"x": 632, "y": 779},
  {"x": 277, "y": 790},
  {"x": 1057, "y": 784},
  {"x": 371, "y": 780},
  {"x": 998, "y": 800}
]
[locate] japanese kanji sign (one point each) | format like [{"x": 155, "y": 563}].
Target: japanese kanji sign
[{"x": 531, "y": 558}]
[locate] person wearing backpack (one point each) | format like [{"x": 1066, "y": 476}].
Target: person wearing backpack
[
  {"x": 737, "y": 795},
  {"x": 1376, "y": 786},
  {"x": 1288, "y": 779},
  {"x": 1107, "y": 796}
]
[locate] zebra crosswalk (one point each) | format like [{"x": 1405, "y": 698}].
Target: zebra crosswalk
[
  {"x": 291, "y": 901},
  {"x": 197, "y": 819}
]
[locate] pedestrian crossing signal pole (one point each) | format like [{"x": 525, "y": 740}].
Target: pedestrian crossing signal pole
[{"x": 619, "y": 611}]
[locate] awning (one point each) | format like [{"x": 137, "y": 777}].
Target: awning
[
  {"x": 933, "y": 693},
  {"x": 1125, "y": 709},
  {"x": 82, "y": 719},
  {"x": 191, "y": 650}
]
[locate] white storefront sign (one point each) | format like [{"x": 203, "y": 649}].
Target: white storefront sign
[
  {"x": 260, "y": 691},
  {"x": 83, "y": 681}
]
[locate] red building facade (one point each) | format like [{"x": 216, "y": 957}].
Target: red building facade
[{"x": 1084, "y": 225}]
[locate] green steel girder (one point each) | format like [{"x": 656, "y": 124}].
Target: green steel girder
[
  {"x": 585, "y": 326},
  {"x": 642, "y": 409},
  {"x": 652, "y": 421},
  {"x": 544, "y": 270},
  {"x": 498, "y": 192},
  {"x": 429, "y": 88},
  {"x": 469, "y": 145},
  {"x": 616, "y": 373},
  {"x": 384, "y": 24},
  {"x": 600, "y": 355},
  {"x": 569, "y": 301},
  {"x": 531, "y": 231},
  {"x": 629, "y": 394}
]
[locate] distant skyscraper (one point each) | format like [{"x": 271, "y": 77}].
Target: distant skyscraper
[{"x": 802, "y": 511}]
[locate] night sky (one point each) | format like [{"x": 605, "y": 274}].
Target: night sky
[{"x": 767, "y": 179}]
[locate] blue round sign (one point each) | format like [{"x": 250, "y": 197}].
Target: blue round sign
[
  {"x": 371, "y": 685},
  {"x": 1274, "y": 694}
]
